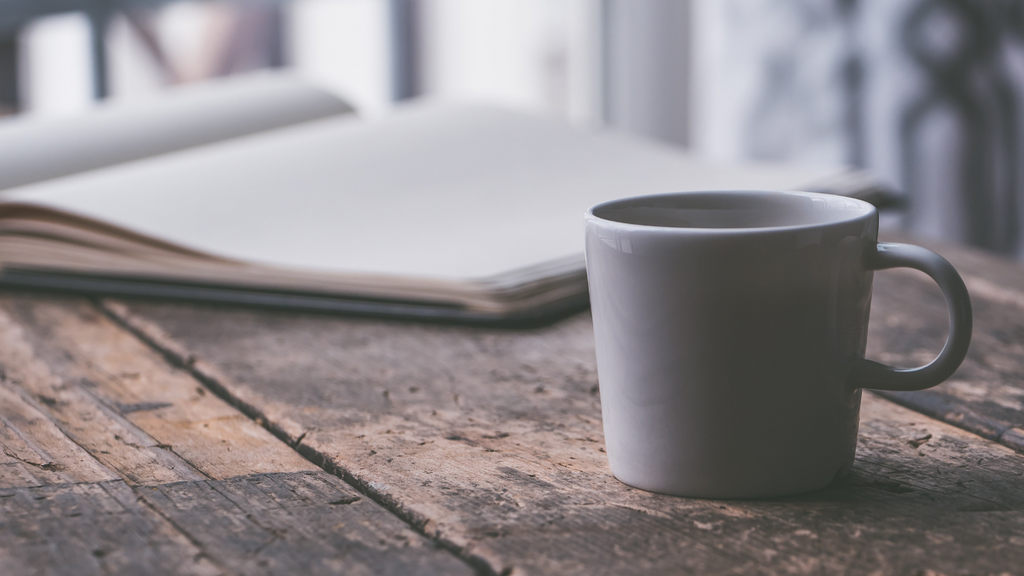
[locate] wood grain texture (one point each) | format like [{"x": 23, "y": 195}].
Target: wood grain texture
[
  {"x": 299, "y": 523},
  {"x": 491, "y": 441},
  {"x": 909, "y": 325},
  {"x": 120, "y": 400},
  {"x": 34, "y": 451},
  {"x": 91, "y": 528},
  {"x": 289, "y": 523},
  {"x": 115, "y": 462}
]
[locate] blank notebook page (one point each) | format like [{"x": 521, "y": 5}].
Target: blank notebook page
[{"x": 444, "y": 192}]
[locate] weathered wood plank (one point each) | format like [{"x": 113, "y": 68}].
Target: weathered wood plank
[
  {"x": 79, "y": 413},
  {"x": 909, "y": 325},
  {"x": 146, "y": 405},
  {"x": 98, "y": 428},
  {"x": 491, "y": 440},
  {"x": 61, "y": 510},
  {"x": 299, "y": 523},
  {"x": 290, "y": 523},
  {"x": 91, "y": 528},
  {"x": 35, "y": 451}
]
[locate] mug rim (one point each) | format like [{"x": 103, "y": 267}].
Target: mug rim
[{"x": 590, "y": 217}]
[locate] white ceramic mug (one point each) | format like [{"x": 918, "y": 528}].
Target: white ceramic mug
[{"x": 731, "y": 329}]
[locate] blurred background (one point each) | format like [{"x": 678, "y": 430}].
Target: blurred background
[{"x": 924, "y": 93}]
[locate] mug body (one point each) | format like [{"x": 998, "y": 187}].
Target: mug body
[{"x": 726, "y": 324}]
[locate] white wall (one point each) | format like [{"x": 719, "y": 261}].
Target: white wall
[
  {"x": 647, "y": 67},
  {"x": 344, "y": 45},
  {"x": 54, "y": 67},
  {"x": 511, "y": 52}
]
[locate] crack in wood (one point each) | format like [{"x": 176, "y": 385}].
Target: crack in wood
[
  {"x": 200, "y": 546},
  {"x": 918, "y": 442},
  {"x": 141, "y": 407},
  {"x": 963, "y": 417},
  {"x": 29, "y": 442},
  {"x": 174, "y": 460},
  {"x": 422, "y": 524}
]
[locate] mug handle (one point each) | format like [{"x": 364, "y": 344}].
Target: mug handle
[{"x": 869, "y": 374}]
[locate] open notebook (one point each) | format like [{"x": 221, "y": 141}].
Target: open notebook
[
  {"x": 455, "y": 212},
  {"x": 34, "y": 148}
]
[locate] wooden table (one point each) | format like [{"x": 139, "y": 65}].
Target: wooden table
[{"x": 170, "y": 438}]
